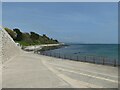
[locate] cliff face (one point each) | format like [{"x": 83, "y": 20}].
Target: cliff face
[{"x": 8, "y": 48}]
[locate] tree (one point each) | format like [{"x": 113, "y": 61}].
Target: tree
[
  {"x": 51, "y": 39},
  {"x": 26, "y": 36},
  {"x": 34, "y": 36},
  {"x": 11, "y": 33},
  {"x": 19, "y": 34},
  {"x": 56, "y": 41},
  {"x": 31, "y": 38},
  {"x": 46, "y": 37}
]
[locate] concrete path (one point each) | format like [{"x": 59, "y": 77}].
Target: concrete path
[{"x": 36, "y": 71}]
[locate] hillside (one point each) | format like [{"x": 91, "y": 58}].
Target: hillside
[{"x": 29, "y": 38}]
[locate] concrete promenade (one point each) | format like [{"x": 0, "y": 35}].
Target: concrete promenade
[
  {"x": 22, "y": 69},
  {"x": 30, "y": 70}
]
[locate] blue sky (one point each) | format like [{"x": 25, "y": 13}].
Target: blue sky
[{"x": 67, "y": 22}]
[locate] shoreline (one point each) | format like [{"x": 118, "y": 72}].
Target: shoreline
[
  {"x": 85, "y": 59},
  {"x": 43, "y": 71},
  {"x": 39, "y": 47}
]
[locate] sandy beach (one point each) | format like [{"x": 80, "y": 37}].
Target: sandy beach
[{"x": 30, "y": 70}]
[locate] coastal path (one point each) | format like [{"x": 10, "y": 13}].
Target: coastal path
[{"x": 30, "y": 70}]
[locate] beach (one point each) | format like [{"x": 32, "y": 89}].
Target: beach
[{"x": 30, "y": 70}]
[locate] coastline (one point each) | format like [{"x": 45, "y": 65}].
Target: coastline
[
  {"x": 60, "y": 72},
  {"x": 42, "y": 50},
  {"x": 39, "y": 47}
]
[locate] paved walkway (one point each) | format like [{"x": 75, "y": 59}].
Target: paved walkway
[{"x": 36, "y": 71}]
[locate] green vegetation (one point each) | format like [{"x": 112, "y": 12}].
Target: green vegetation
[
  {"x": 32, "y": 38},
  {"x": 11, "y": 33}
]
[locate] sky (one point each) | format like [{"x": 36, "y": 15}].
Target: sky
[
  {"x": 87, "y": 22},
  {"x": 60, "y": 0}
]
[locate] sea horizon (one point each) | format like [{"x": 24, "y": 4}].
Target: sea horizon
[{"x": 90, "y": 43}]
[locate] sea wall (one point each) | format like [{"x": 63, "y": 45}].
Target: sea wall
[
  {"x": 0, "y": 48},
  {"x": 0, "y": 60},
  {"x": 9, "y": 48}
]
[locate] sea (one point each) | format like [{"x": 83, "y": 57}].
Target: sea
[{"x": 109, "y": 51}]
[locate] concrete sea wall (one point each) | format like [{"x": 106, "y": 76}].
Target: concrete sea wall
[
  {"x": 9, "y": 48},
  {"x": 0, "y": 60},
  {"x": 0, "y": 48}
]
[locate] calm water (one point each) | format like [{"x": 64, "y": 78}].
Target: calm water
[{"x": 104, "y": 50}]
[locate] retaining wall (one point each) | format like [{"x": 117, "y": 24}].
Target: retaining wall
[
  {"x": 0, "y": 60},
  {"x": 8, "y": 48},
  {"x": 0, "y": 48}
]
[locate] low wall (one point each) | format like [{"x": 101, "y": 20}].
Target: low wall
[{"x": 9, "y": 49}]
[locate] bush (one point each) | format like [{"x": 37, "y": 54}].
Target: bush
[{"x": 11, "y": 33}]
